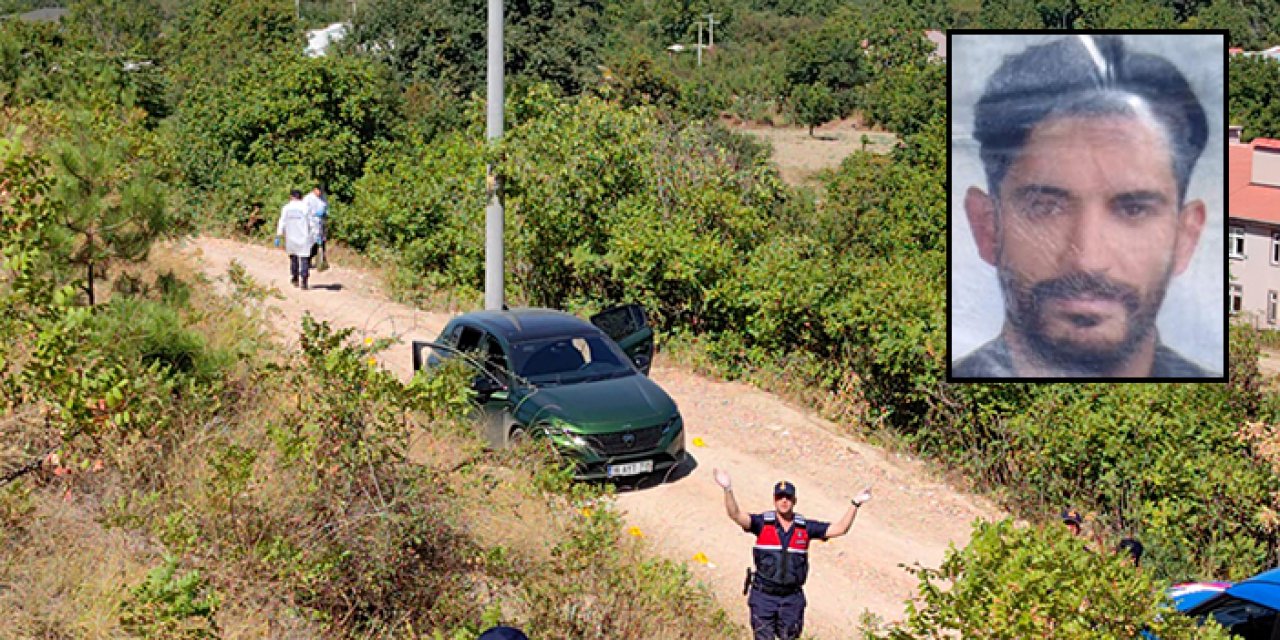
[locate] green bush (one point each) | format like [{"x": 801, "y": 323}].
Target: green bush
[
  {"x": 154, "y": 333},
  {"x": 172, "y": 605},
  {"x": 1031, "y": 582},
  {"x": 425, "y": 204},
  {"x": 283, "y": 121}
]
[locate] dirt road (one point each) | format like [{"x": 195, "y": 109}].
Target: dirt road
[{"x": 759, "y": 438}]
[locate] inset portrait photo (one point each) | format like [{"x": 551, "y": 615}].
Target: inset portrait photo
[{"x": 1087, "y": 209}]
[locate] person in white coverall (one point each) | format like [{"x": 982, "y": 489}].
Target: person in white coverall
[
  {"x": 319, "y": 208},
  {"x": 299, "y": 229}
]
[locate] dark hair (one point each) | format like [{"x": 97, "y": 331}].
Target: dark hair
[
  {"x": 295, "y": 194},
  {"x": 503, "y": 633},
  {"x": 1134, "y": 548},
  {"x": 1064, "y": 77}
]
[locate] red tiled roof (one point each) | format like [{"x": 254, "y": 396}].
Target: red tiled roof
[
  {"x": 1266, "y": 143},
  {"x": 1245, "y": 200}
]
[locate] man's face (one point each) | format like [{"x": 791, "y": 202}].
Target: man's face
[
  {"x": 783, "y": 504},
  {"x": 1085, "y": 235}
]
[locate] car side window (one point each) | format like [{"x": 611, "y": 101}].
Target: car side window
[
  {"x": 1244, "y": 619},
  {"x": 450, "y": 335},
  {"x": 468, "y": 338},
  {"x": 495, "y": 358}
]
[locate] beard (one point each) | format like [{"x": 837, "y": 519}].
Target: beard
[{"x": 1028, "y": 310}]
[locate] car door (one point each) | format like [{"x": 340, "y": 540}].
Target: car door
[
  {"x": 495, "y": 403},
  {"x": 491, "y": 382},
  {"x": 628, "y": 326}
]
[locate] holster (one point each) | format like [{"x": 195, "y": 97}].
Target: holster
[{"x": 746, "y": 584}]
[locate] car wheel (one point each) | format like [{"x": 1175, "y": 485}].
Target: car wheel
[{"x": 517, "y": 436}]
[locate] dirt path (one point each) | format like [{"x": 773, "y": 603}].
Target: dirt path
[
  {"x": 1269, "y": 362},
  {"x": 757, "y": 437},
  {"x": 800, "y": 156}
]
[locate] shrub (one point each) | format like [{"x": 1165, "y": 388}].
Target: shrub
[
  {"x": 171, "y": 605},
  {"x": 1032, "y": 582},
  {"x": 282, "y": 121}
]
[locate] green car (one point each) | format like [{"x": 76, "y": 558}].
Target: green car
[{"x": 582, "y": 384}]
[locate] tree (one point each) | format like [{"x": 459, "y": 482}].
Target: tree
[
  {"x": 554, "y": 41},
  {"x": 1253, "y": 81},
  {"x": 906, "y": 97},
  {"x": 212, "y": 39},
  {"x": 1102, "y": 14},
  {"x": 119, "y": 26},
  {"x": 814, "y": 104},
  {"x": 107, "y": 208},
  {"x": 314, "y": 119},
  {"x": 831, "y": 56},
  {"x": 1038, "y": 582},
  {"x": 639, "y": 80},
  {"x": 1009, "y": 14},
  {"x": 1238, "y": 18}
]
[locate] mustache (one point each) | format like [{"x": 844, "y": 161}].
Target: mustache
[{"x": 1086, "y": 285}]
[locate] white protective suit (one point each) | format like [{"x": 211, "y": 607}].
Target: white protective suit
[{"x": 298, "y": 227}]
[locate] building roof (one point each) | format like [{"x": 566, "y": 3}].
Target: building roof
[
  {"x": 939, "y": 40},
  {"x": 1245, "y": 200},
  {"x": 47, "y": 14},
  {"x": 1270, "y": 144},
  {"x": 318, "y": 40}
]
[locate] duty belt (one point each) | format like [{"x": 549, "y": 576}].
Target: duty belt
[{"x": 775, "y": 590}]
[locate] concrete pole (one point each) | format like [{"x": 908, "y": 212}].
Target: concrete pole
[
  {"x": 493, "y": 218},
  {"x": 699, "y": 43},
  {"x": 711, "y": 28}
]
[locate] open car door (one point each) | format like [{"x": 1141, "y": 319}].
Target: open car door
[{"x": 628, "y": 326}]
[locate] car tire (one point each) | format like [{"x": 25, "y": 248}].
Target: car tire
[{"x": 517, "y": 436}]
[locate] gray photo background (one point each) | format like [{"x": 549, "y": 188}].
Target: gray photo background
[{"x": 1192, "y": 318}]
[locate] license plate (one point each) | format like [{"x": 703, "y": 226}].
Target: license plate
[{"x": 629, "y": 469}]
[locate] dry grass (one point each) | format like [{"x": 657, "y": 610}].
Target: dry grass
[
  {"x": 510, "y": 539},
  {"x": 801, "y": 158},
  {"x": 65, "y": 575}
]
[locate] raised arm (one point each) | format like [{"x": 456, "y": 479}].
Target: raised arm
[
  {"x": 730, "y": 503},
  {"x": 841, "y": 527}
]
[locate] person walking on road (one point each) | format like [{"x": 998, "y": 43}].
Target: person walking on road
[
  {"x": 318, "y": 207},
  {"x": 781, "y": 556},
  {"x": 298, "y": 228}
]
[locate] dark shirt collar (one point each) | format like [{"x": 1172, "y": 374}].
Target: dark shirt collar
[{"x": 994, "y": 360}]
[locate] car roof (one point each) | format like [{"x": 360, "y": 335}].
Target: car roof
[
  {"x": 1263, "y": 589},
  {"x": 518, "y": 325}
]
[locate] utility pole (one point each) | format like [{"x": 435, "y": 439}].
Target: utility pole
[
  {"x": 711, "y": 26},
  {"x": 493, "y": 215},
  {"x": 699, "y": 43}
]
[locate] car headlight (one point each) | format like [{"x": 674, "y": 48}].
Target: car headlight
[
  {"x": 561, "y": 429},
  {"x": 671, "y": 425}
]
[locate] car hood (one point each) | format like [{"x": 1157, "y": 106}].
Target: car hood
[{"x": 602, "y": 406}]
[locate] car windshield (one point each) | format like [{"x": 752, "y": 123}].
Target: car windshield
[
  {"x": 569, "y": 360},
  {"x": 1242, "y": 618}
]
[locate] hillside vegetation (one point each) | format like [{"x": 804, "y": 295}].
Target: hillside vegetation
[{"x": 208, "y": 485}]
